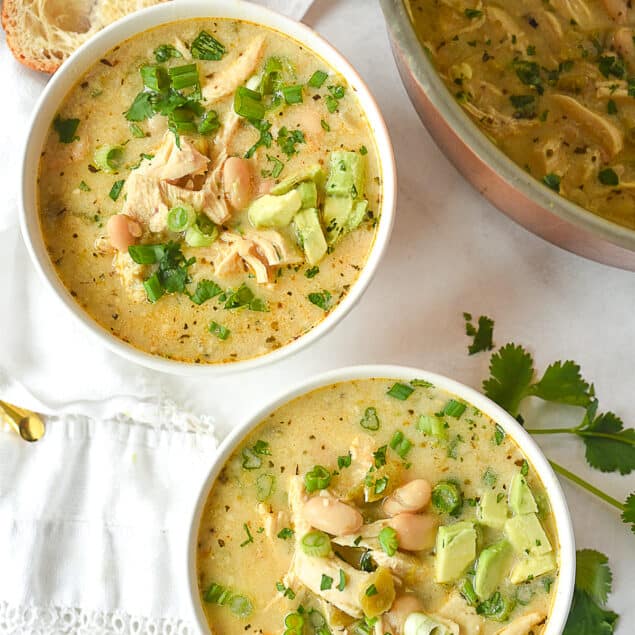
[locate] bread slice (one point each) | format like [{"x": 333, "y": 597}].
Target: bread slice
[{"x": 43, "y": 33}]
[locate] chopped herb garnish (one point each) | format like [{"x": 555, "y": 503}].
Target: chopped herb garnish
[
  {"x": 83, "y": 186},
  {"x": 400, "y": 391},
  {"x": 312, "y": 272},
  {"x": 454, "y": 408},
  {"x": 287, "y": 592},
  {"x": 292, "y": 94},
  {"x": 363, "y": 150},
  {"x": 473, "y": 13},
  {"x": 325, "y": 126},
  {"x": 371, "y": 590},
  {"x": 381, "y": 484},
  {"x": 116, "y": 188},
  {"x": 611, "y": 65},
  {"x": 388, "y": 540},
  {"x": 207, "y": 47},
  {"x": 400, "y": 444},
  {"x": 342, "y": 583},
  {"x": 344, "y": 461},
  {"x": 326, "y": 582},
  {"x": 317, "y": 79},
  {"x": 524, "y": 469},
  {"x": 136, "y": 131},
  {"x": 379, "y": 455},
  {"x": 205, "y": 290},
  {"x": 552, "y": 181},
  {"x": 608, "y": 176},
  {"x": 322, "y": 299},
  {"x": 248, "y": 104},
  {"x": 525, "y": 106},
  {"x": 447, "y": 497},
  {"x": 529, "y": 74},
  {"x": 166, "y": 51},
  {"x": 499, "y": 434},
  {"x": 611, "y": 107},
  {"x": 265, "y": 139},
  {"x": 220, "y": 331},
  {"x": 66, "y": 129},
  {"x": 317, "y": 479},
  {"x": 288, "y": 139},
  {"x": 277, "y": 168},
  {"x": 285, "y": 534},
  {"x": 250, "y": 538},
  {"x": 370, "y": 420},
  {"x": 336, "y": 93}
]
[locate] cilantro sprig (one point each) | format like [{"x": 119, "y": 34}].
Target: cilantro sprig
[
  {"x": 610, "y": 447},
  {"x": 593, "y": 581}
]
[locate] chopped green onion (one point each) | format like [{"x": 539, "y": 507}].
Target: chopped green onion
[
  {"x": 499, "y": 434},
  {"x": 154, "y": 78},
  {"x": 251, "y": 461},
  {"x": 447, "y": 497},
  {"x": 292, "y": 94},
  {"x": 84, "y": 187},
  {"x": 146, "y": 254},
  {"x": 312, "y": 272},
  {"x": 66, "y": 129},
  {"x": 400, "y": 391},
  {"x": 207, "y": 47},
  {"x": 108, "y": 158},
  {"x": 524, "y": 469},
  {"x": 265, "y": 485},
  {"x": 371, "y": 590},
  {"x": 316, "y": 544},
  {"x": 136, "y": 131},
  {"x": 454, "y": 408},
  {"x": 248, "y": 103},
  {"x": 381, "y": 484},
  {"x": 278, "y": 166},
  {"x": 325, "y": 126},
  {"x": 608, "y": 176},
  {"x": 344, "y": 461},
  {"x": 342, "y": 583},
  {"x": 552, "y": 181},
  {"x": 217, "y": 594},
  {"x": 326, "y": 582},
  {"x": 271, "y": 76},
  {"x": 209, "y": 123},
  {"x": 202, "y": 233},
  {"x": 181, "y": 121},
  {"x": 164, "y": 52},
  {"x": 294, "y": 621},
  {"x": 241, "y": 606},
  {"x": 467, "y": 591},
  {"x": 317, "y": 79},
  {"x": 388, "y": 540},
  {"x": 183, "y": 76},
  {"x": 317, "y": 478},
  {"x": 116, "y": 188},
  {"x": 370, "y": 420},
  {"x": 363, "y": 150},
  {"x": 432, "y": 426},
  {"x": 181, "y": 217},
  {"x": 497, "y": 607},
  {"x": 285, "y": 533},
  {"x": 154, "y": 288},
  {"x": 400, "y": 444},
  {"x": 221, "y": 332}
]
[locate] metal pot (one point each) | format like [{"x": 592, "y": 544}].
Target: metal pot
[{"x": 490, "y": 171}]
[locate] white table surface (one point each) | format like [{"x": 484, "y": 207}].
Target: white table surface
[{"x": 450, "y": 252}]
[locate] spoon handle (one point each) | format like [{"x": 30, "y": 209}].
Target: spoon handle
[{"x": 27, "y": 424}]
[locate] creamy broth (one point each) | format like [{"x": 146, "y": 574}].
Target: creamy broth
[
  {"x": 550, "y": 83},
  {"x": 269, "y": 292},
  {"x": 252, "y": 569}
]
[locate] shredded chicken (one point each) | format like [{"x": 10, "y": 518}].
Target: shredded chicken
[
  {"x": 171, "y": 163},
  {"x": 522, "y": 625},
  {"x": 272, "y": 521},
  {"x": 492, "y": 119},
  {"x": 132, "y": 275},
  {"x": 468, "y": 621},
  {"x": 226, "y": 81}
]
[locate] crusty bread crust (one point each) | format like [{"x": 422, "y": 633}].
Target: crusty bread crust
[{"x": 41, "y": 34}]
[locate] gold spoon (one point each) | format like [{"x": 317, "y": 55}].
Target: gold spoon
[{"x": 27, "y": 424}]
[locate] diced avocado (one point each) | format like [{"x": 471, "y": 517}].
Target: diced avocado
[
  {"x": 311, "y": 173},
  {"x": 309, "y": 234},
  {"x": 274, "y": 211},
  {"x": 492, "y": 510},
  {"x": 493, "y": 565},
  {"x": 337, "y": 211},
  {"x": 347, "y": 171},
  {"x": 521, "y": 500},
  {"x": 527, "y": 535},
  {"x": 530, "y": 568},
  {"x": 456, "y": 550},
  {"x": 357, "y": 215},
  {"x": 308, "y": 194}
]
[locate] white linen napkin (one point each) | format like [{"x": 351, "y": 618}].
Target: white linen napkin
[{"x": 41, "y": 346}]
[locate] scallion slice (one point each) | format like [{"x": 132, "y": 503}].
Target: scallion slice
[
  {"x": 317, "y": 79},
  {"x": 154, "y": 288},
  {"x": 292, "y": 94},
  {"x": 154, "y": 78},
  {"x": 294, "y": 622},
  {"x": 316, "y": 544},
  {"x": 454, "y": 408},
  {"x": 209, "y": 123},
  {"x": 207, "y": 47},
  {"x": 265, "y": 485},
  {"x": 202, "y": 233},
  {"x": 136, "y": 131},
  {"x": 370, "y": 420},
  {"x": 400, "y": 391},
  {"x": 248, "y": 103},
  {"x": 447, "y": 497},
  {"x": 116, "y": 188},
  {"x": 400, "y": 444},
  {"x": 181, "y": 218},
  {"x": 251, "y": 461},
  {"x": 240, "y": 605},
  {"x": 221, "y": 332},
  {"x": 183, "y": 76},
  {"x": 316, "y": 479},
  {"x": 388, "y": 540},
  {"x": 108, "y": 158},
  {"x": 66, "y": 129}
]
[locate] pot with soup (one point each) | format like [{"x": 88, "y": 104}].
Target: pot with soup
[
  {"x": 382, "y": 500},
  {"x": 210, "y": 190}
]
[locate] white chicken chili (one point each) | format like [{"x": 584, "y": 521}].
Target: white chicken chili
[
  {"x": 209, "y": 191},
  {"x": 377, "y": 506}
]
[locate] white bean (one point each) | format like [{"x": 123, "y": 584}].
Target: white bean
[
  {"x": 332, "y": 516},
  {"x": 237, "y": 182},
  {"x": 415, "y": 532},
  {"x": 411, "y": 497},
  {"x": 123, "y": 231}
]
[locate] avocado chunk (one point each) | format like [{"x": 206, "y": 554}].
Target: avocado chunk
[
  {"x": 309, "y": 235},
  {"x": 527, "y": 535},
  {"x": 492, "y": 510},
  {"x": 337, "y": 210},
  {"x": 493, "y": 565},
  {"x": 312, "y": 173},
  {"x": 521, "y": 499},
  {"x": 308, "y": 194},
  {"x": 456, "y": 550},
  {"x": 530, "y": 568},
  {"x": 274, "y": 211},
  {"x": 347, "y": 171}
]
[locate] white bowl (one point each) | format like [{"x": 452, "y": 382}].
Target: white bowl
[
  {"x": 566, "y": 579},
  {"x": 93, "y": 50}
]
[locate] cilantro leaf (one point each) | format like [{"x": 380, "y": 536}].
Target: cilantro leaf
[
  {"x": 483, "y": 335},
  {"x": 587, "y": 618},
  {"x": 628, "y": 514},
  {"x": 609, "y": 447},
  {"x": 511, "y": 371},
  {"x": 562, "y": 383},
  {"x": 593, "y": 575}
]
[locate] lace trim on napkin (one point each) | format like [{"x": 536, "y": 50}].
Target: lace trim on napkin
[{"x": 57, "y": 620}]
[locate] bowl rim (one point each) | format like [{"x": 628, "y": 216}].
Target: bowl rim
[
  {"x": 84, "y": 57},
  {"x": 564, "y": 527},
  {"x": 422, "y": 69}
]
